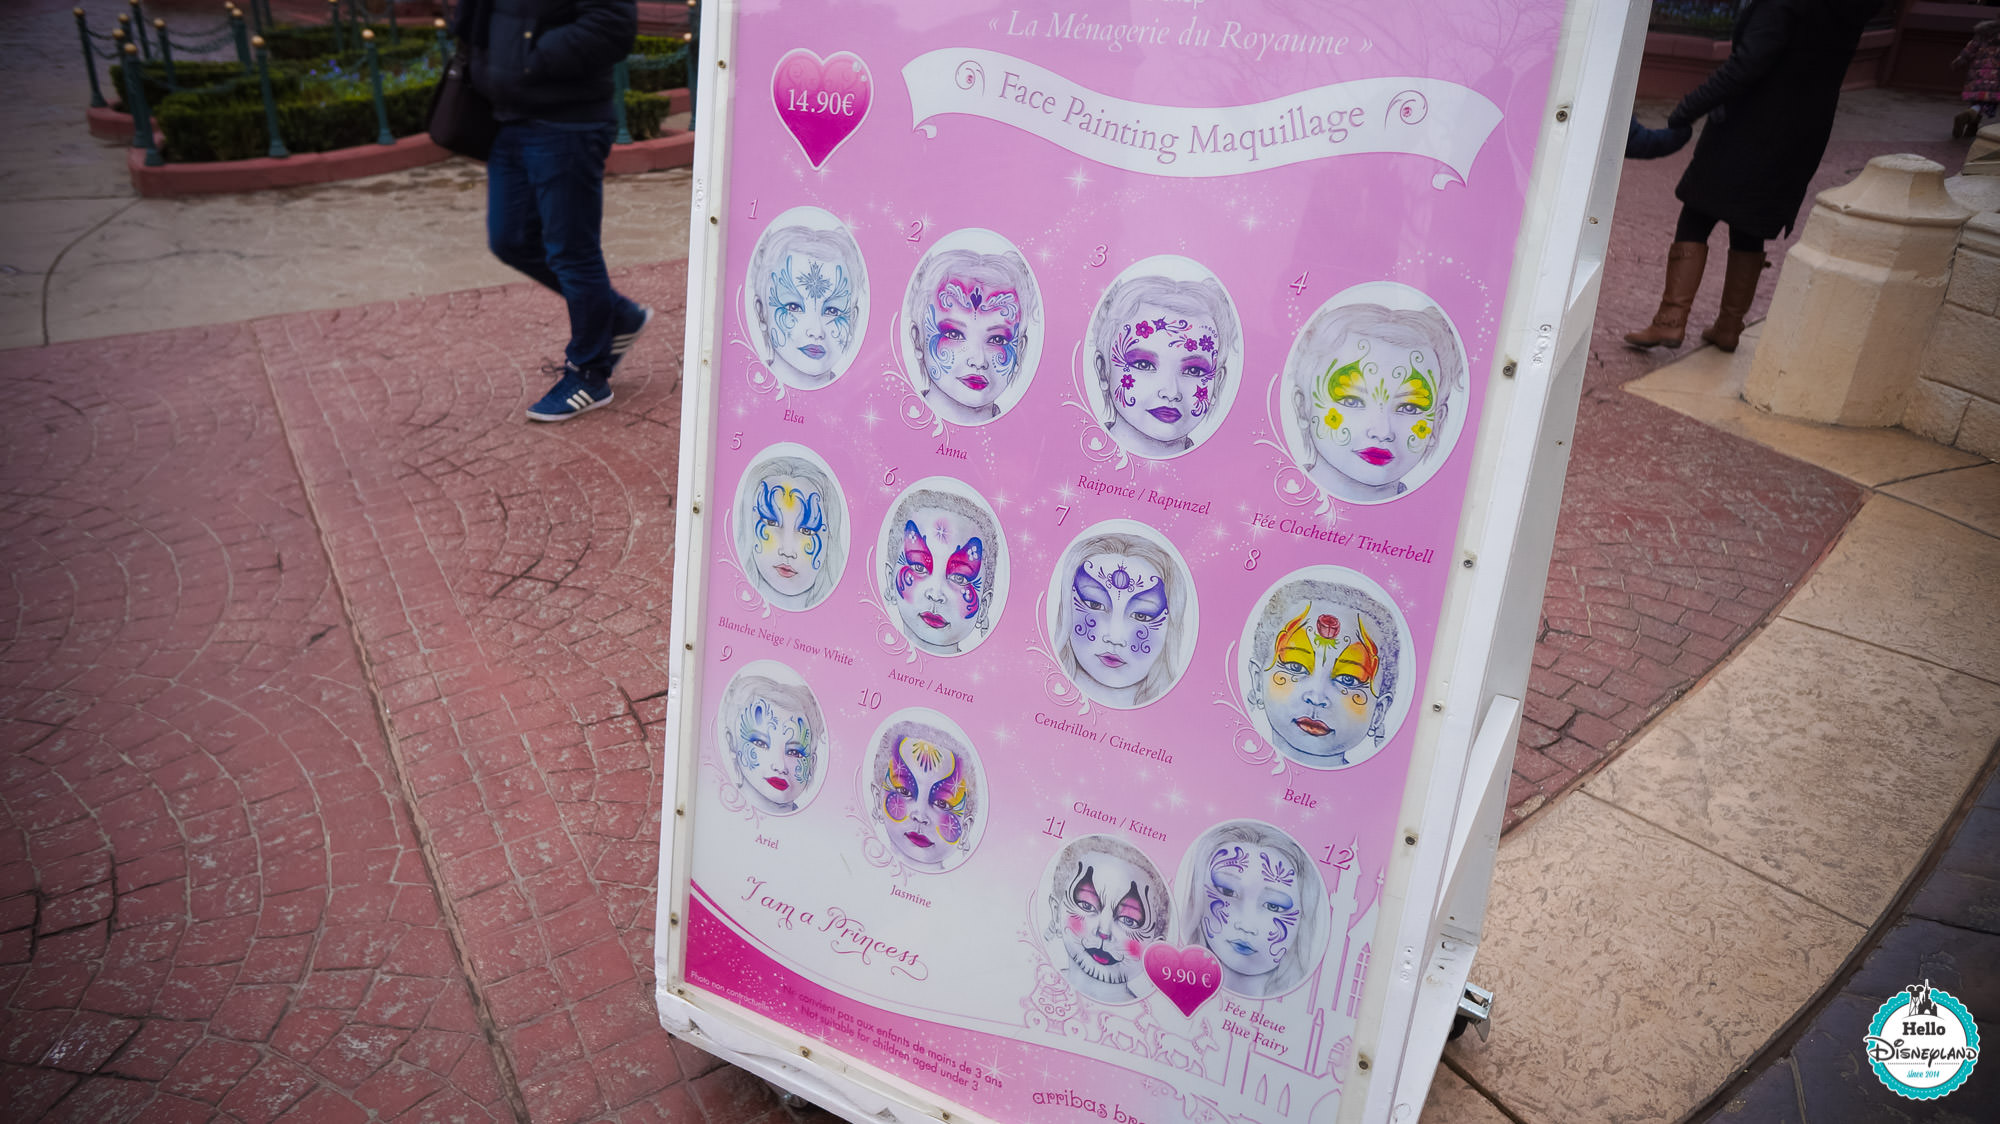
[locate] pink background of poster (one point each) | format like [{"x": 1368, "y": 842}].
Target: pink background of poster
[{"x": 811, "y": 903}]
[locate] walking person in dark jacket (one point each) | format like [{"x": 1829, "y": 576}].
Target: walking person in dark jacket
[
  {"x": 546, "y": 65},
  {"x": 1770, "y": 109}
]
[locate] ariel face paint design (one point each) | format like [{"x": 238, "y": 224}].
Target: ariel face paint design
[
  {"x": 774, "y": 737},
  {"x": 1106, "y": 902},
  {"x": 926, "y": 791},
  {"x": 973, "y": 317},
  {"x": 1165, "y": 340},
  {"x": 942, "y": 557},
  {"x": 806, "y": 297},
  {"x": 1124, "y": 617},
  {"x": 1250, "y": 896},
  {"x": 790, "y": 527},
  {"x": 1372, "y": 389},
  {"x": 1324, "y": 672}
]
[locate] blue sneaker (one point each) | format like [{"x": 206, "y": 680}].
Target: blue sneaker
[
  {"x": 624, "y": 336},
  {"x": 575, "y": 393}
]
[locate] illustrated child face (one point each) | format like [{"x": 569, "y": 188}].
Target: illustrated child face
[
  {"x": 1163, "y": 370},
  {"x": 971, "y": 341},
  {"x": 926, "y": 795},
  {"x": 1110, "y": 912},
  {"x": 791, "y": 533},
  {"x": 1117, "y": 618},
  {"x": 1324, "y": 686},
  {"x": 1377, "y": 418},
  {"x": 809, "y": 306},
  {"x": 1252, "y": 910},
  {"x": 776, "y": 750},
  {"x": 938, "y": 572}
]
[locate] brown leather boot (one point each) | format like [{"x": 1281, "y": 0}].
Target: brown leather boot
[
  {"x": 1739, "y": 288},
  {"x": 1684, "y": 264}
]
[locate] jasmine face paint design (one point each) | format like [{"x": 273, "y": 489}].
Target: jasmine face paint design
[{"x": 925, "y": 791}]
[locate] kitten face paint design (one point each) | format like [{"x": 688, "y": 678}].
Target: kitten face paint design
[
  {"x": 791, "y": 534},
  {"x": 776, "y": 753},
  {"x": 1164, "y": 371},
  {"x": 971, "y": 342},
  {"x": 810, "y": 313},
  {"x": 927, "y": 798},
  {"x": 1252, "y": 911},
  {"x": 1111, "y": 910},
  {"x": 1323, "y": 687},
  {"x": 939, "y": 574},
  {"x": 1377, "y": 414},
  {"x": 1116, "y": 619}
]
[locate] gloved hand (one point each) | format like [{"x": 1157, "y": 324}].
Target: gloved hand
[{"x": 1642, "y": 143}]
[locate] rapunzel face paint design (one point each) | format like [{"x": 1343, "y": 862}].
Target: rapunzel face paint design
[
  {"x": 1117, "y": 618},
  {"x": 1162, "y": 373},
  {"x": 811, "y": 312},
  {"x": 971, "y": 337},
  {"x": 1107, "y": 902},
  {"x": 1377, "y": 411},
  {"x": 925, "y": 791},
  {"x": 1252, "y": 911},
  {"x": 790, "y": 533},
  {"x": 1163, "y": 343},
  {"x": 1323, "y": 687},
  {"x": 773, "y": 737}
]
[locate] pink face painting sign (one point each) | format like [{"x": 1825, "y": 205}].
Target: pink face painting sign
[{"x": 1095, "y": 393}]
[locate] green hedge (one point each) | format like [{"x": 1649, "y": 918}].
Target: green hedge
[
  {"x": 657, "y": 63},
  {"x": 192, "y": 75},
  {"x": 220, "y": 124},
  {"x": 643, "y": 113}
]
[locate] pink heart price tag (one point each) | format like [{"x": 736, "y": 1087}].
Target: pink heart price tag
[
  {"x": 1186, "y": 976},
  {"x": 821, "y": 101}
]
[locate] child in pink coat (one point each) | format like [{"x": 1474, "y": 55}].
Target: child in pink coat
[{"x": 1981, "y": 62}]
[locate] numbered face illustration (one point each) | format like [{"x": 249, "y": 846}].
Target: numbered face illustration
[
  {"x": 790, "y": 527},
  {"x": 942, "y": 557},
  {"x": 1106, "y": 902},
  {"x": 1373, "y": 393},
  {"x": 1164, "y": 347},
  {"x": 1124, "y": 614},
  {"x": 774, "y": 737},
  {"x": 806, "y": 297},
  {"x": 1323, "y": 666},
  {"x": 926, "y": 791},
  {"x": 973, "y": 315},
  {"x": 1249, "y": 894}
]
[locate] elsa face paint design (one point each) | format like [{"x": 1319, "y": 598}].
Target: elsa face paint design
[
  {"x": 1251, "y": 913},
  {"x": 790, "y": 543},
  {"x": 926, "y": 798},
  {"x": 810, "y": 303},
  {"x": 1376, "y": 414},
  {"x": 1163, "y": 371},
  {"x": 776, "y": 753},
  {"x": 970, "y": 341},
  {"x": 938, "y": 576},
  {"x": 1117, "y": 617},
  {"x": 1110, "y": 909}
]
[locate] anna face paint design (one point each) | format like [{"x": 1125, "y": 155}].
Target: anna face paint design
[
  {"x": 1376, "y": 414},
  {"x": 1323, "y": 686},
  {"x": 926, "y": 795},
  {"x": 810, "y": 313},
  {"x": 1252, "y": 905},
  {"x": 1110, "y": 909},
  {"x": 790, "y": 542},
  {"x": 1163, "y": 371},
  {"x": 940, "y": 574},
  {"x": 1116, "y": 618},
  {"x": 777, "y": 752},
  {"x": 971, "y": 341}
]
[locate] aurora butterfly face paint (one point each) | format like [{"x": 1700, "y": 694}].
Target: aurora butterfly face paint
[
  {"x": 773, "y": 736},
  {"x": 1323, "y": 667},
  {"x": 805, "y": 298},
  {"x": 942, "y": 555},
  {"x": 789, "y": 526},
  {"x": 1106, "y": 902},
  {"x": 1250, "y": 895},
  {"x": 972, "y": 322},
  {"x": 926, "y": 791}
]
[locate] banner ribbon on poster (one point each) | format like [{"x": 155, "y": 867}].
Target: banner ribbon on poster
[{"x": 1427, "y": 117}]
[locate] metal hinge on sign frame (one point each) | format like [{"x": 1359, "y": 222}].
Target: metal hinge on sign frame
[{"x": 1475, "y": 1009}]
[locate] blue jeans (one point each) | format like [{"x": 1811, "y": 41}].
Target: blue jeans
[{"x": 545, "y": 217}]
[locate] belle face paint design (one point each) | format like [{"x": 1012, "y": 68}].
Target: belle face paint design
[
  {"x": 1376, "y": 412},
  {"x": 790, "y": 541},
  {"x": 1163, "y": 373},
  {"x": 776, "y": 751},
  {"x": 926, "y": 795},
  {"x": 810, "y": 303},
  {"x": 938, "y": 576},
  {"x": 1323, "y": 689},
  {"x": 1253, "y": 906},
  {"x": 971, "y": 341},
  {"x": 1117, "y": 617},
  {"x": 1111, "y": 908}
]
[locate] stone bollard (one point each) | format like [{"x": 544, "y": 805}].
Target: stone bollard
[
  {"x": 1957, "y": 398},
  {"x": 1856, "y": 297}
]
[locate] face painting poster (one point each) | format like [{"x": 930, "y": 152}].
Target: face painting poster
[{"x": 1094, "y": 398}]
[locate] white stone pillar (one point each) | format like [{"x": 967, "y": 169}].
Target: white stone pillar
[{"x": 1856, "y": 297}]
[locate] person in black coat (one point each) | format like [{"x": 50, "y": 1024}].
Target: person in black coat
[{"x": 1770, "y": 109}]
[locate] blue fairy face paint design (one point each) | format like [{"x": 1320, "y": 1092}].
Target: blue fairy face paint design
[{"x": 1252, "y": 910}]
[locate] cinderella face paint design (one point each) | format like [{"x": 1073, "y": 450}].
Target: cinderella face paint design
[
  {"x": 776, "y": 752},
  {"x": 1163, "y": 373},
  {"x": 937, "y": 580},
  {"x": 1376, "y": 412},
  {"x": 1323, "y": 688},
  {"x": 1117, "y": 617},
  {"x": 926, "y": 798},
  {"x": 791, "y": 533},
  {"x": 971, "y": 341},
  {"x": 811, "y": 313},
  {"x": 1111, "y": 908},
  {"x": 1251, "y": 913}
]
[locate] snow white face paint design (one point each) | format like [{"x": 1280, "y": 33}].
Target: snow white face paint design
[
  {"x": 776, "y": 750},
  {"x": 1117, "y": 618},
  {"x": 811, "y": 317},
  {"x": 937, "y": 581},
  {"x": 1252, "y": 910},
  {"x": 1322, "y": 690},
  {"x": 926, "y": 794},
  {"x": 972, "y": 340},
  {"x": 791, "y": 534},
  {"x": 1376, "y": 419},
  {"x": 1110, "y": 909},
  {"x": 1163, "y": 373}
]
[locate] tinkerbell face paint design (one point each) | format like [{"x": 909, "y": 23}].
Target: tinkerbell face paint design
[
  {"x": 1323, "y": 688},
  {"x": 776, "y": 751},
  {"x": 971, "y": 340},
  {"x": 939, "y": 571},
  {"x": 1252, "y": 907},
  {"x": 790, "y": 542},
  {"x": 926, "y": 794},
  {"x": 1117, "y": 618},
  {"x": 810, "y": 313},
  {"x": 1111, "y": 909},
  {"x": 1376, "y": 411},
  {"x": 1163, "y": 371}
]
